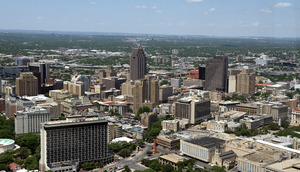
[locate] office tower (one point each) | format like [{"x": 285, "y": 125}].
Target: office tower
[
  {"x": 127, "y": 88},
  {"x": 10, "y": 105},
  {"x": 113, "y": 82},
  {"x": 74, "y": 88},
  {"x": 202, "y": 73},
  {"x": 114, "y": 131},
  {"x": 23, "y": 61},
  {"x": 109, "y": 72},
  {"x": 64, "y": 143},
  {"x": 192, "y": 110},
  {"x": 139, "y": 94},
  {"x": 216, "y": 74},
  {"x": 138, "y": 64},
  {"x": 43, "y": 68},
  {"x": 29, "y": 120},
  {"x": 27, "y": 84},
  {"x": 84, "y": 79},
  {"x": 148, "y": 118},
  {"x": 164, "y": 93},
  {"x": 246, "y": 82}
]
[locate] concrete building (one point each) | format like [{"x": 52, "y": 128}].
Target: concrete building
[
  {"x": 246, "y": 82},
  {"x": 138, "y": 64},
  {"x": 85, "y": 80},
  {"x": 251, "y": 109},
  {"x": 171, "y": 125},
  {"x": 107, "y": 73},
  {"x": 216, "y": 74},
  {"x": 176, "y": 83},
  {"x": 23, "y": 61},
  {"x": 64, "y": 143},
  {"x": 164, "y": 93},
  {"x": 113, "y": 82},
  {"x": 114, "y": 130},
  {"x": 42, "y": 68},
  {"x": 71, "y": 106},
  {"x": 172, "y": 159},
  {"x": 27, "y": 84},
  {"x": 295, "y": 118},
  {"x": 169, "y": 142},
  {"x": 139, "y": 94},
  {"x": 74, "y": 88},
  {"x": 202, "y": 148},
  {"x": 10, "y": 105},
  {"x": 263, "y": 60},
  {"x": 232, "y": 84},
  {"x": 59, "y": 94},
  {"x": 192, "y": 110},
  {"x": 193, "y": 83},
  {"x": 279, "y": 112},
  {"x": 217, "y": 126},
  {"x": 52, "y": 108},
  {"x": 226, "y": 106},
  {"x": 148, "y": 118},
  {"x": 165, "y": 109},
  {"x": 127, "y": 88},
  {"x": 29, "y": 121}
]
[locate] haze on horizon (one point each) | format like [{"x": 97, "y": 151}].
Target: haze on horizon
[{"x": 270, "y": 18}]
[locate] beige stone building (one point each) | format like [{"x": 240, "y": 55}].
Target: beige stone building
[
  {"x": 246, "y": 82},
  {"x": 114, "y": 130},
  {"x": 148, "y": 118},
  {"x": 295, "y": 118},
  {"x": 172, "y": 159},
  {"x": 27, "y": 84},
  {"x": 74, "y": 88},
  {"x": 170, "y": 125}
]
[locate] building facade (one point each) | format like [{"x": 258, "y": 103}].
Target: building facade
[
  {"x": 73, "y": 141},
  {"x": 29, "y": 121},
  {"x": 216, "y": 74},
  {"x": 246, "y": 82},
  {"x": 27, "y": 84},
  {"x": 138, "y": 64}
]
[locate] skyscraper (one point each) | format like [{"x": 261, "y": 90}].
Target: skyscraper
[
  {"x": 216, "y": 74},
  {"x": 138, "y": 64},
  {"x": 27, "y": 84},
  {"x": 43, "y": 68},
  {"x": 246, "y": 82}
]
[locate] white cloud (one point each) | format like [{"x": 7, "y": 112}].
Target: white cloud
[
  {"x": 93, "y": 3},
  {"x": 193, "y": 0},
  {"x": 266, "y": 10},
  {"x": 206, "y": 13},
  {"x": 39, "y": 17},
  {"x": 255, "y": 24},
  {"x": 141, "y": 6},
  {"x": 154, "y": 7},
  {"x": 283, "y": 4},
  {"x": 158, "y": 11},
  {"x": 212, "y": 9}
]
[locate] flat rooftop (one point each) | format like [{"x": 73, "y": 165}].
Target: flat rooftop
[
  {"x": 207, "y": 142},
  {"x": 60, "y": 123},
  {"x": 262, "y": 156},
  {"x": 291, "y": 165},
  {"x": 173, "y": 158}
]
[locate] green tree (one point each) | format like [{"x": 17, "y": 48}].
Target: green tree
[
  {"x": 29, "y": 140},
  {"x": 126, "y": 169},
  {"x": 154, "y": 164},
  {"x": 23, "y": 152},
  {"x": 32, "y": 163},
  {"x": 88, "y": 165},
  {"x": 167, "y": 168},
  {"x": 289, "y": 94},
  {"x": 273, "y": 126},
  {"x": 285, "y": 124},
  {"x": 124, "y": 153},
  {"x": 140, "y": 142}
]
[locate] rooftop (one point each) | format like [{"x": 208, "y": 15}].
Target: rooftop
[
  {"x": 73, "y": 122},
  {"x": 207, "y": 142},
  {"x": 291, "y": 165},
  {"x": 172, "y": 158}
]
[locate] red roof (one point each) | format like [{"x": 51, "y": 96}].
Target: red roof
[
  {"x": 13, "y": 166},
  {"x": 265, "y": 84}
]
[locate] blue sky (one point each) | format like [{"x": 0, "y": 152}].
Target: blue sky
[{"x": 275, "y": 18}]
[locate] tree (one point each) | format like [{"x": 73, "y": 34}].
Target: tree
[
  {"x": 105, "y": 109},
  {"x": 88, "y": 165},
  {"x": 149, "y": 152},
  {"x": 285, "y": 124},
  {"x": 155, "y": 165},
  {"x": 29, "y": 140},
  {"x": 32, "y": 163},
  {"x": 273, "y": 126},
  {"x": 140, "y": 142},
  {"x": 167, "y": 168},
  {"x": 126, "y": 169},
  {"x": 23, "y": 152},
  {"x": 124, "y": 153}
]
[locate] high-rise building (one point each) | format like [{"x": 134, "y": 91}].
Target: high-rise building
[
  {"x": 27, "y": 84},
  {"x": 74, "y": 88},
  {"x": 43, "y": 68},
  {"x": 108, "y": 72},
  {"x": 29, "y": 120},
  {"x": 114, "y": 131},
  {"x": 84, "y": 79},
  {"x": 164, "y": 93},
  {"x": 246, "y": 82},
  {"x": 113, "y": 82},
  {"x": 216, "y": 74},
  {"x": 138, "y": 64},
  {"x": 66, "y": 142},
  {"x": 192, "y": 110},
  {"x": 139, "y": 94},
  {"x": 176, "y": 83}
]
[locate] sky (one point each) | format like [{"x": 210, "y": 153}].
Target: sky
[{"x": 271, "y": 18}]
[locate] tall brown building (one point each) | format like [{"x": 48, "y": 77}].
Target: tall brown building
[
  {"x": 138, "y": 64},
  {"x": 216, "y": 74},
  {"x": 145, "y": 93},
  {"x": 109, "y": 72},
  {"x": 246, "y": 82},
  {"x": 27, "y": 84}
]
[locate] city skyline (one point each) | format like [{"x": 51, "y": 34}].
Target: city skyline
[{"x": 181, "y": 17}]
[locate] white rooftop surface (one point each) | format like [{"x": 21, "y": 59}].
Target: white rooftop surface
[{"x": 121, "y": 139}]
